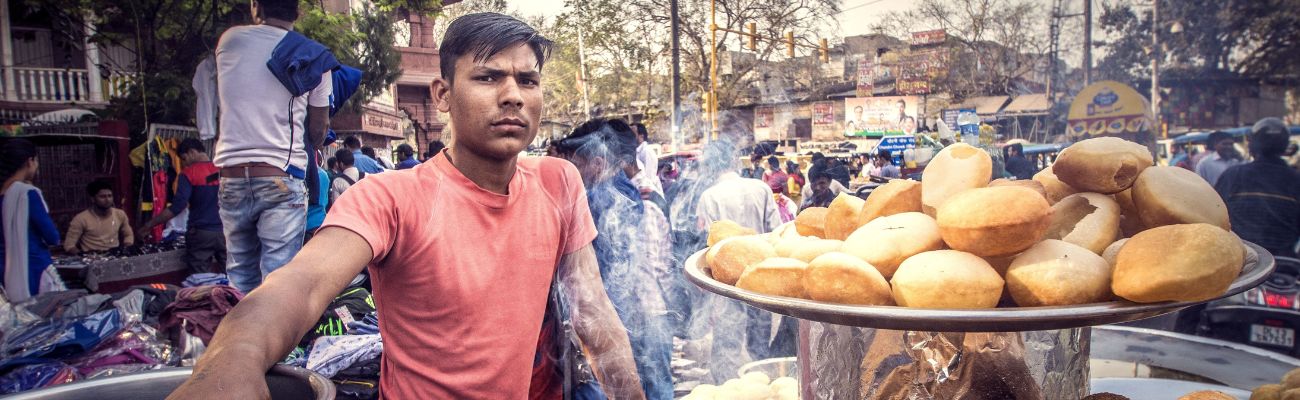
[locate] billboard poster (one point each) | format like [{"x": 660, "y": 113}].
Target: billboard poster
[
  {"x": 763, "y": 117},
  {"x": 823, "y": 113},
  {"x": 866, "y": 78},
  {"x": 880, "y": 116},
  {"x": 926, "y": 38}
]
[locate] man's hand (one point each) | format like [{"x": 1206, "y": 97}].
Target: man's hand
[
  {"x": 145, "y": 234},
  {"x": 270, "y": 321},
  {"x": 598, "y": 325}
]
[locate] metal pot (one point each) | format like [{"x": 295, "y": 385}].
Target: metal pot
[{"x": 285, "y": 382}]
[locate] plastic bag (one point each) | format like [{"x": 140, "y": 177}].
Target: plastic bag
[
  {"x": 59, "y": 339},
  {"x": 36, "y": 376},
  {"x": 136, "y": 344}
]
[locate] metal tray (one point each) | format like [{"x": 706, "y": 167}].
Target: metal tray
[{"x": 1259, "y": 264}]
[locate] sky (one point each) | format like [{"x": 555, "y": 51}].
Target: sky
[{"x": 855, "y": 20}]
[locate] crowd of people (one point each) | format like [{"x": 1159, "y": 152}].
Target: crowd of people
[{"x": 494, "y": 275}]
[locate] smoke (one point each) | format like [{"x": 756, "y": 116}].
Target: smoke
[{"x": 625, "y": 247}]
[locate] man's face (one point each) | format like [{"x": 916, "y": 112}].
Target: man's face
[
  {"x": 103, "y": 199},
  {"x": 857, "y": 112},
  {"x": 1224, "y": 147},
  {"x": 902, "y": 107},
  {"x": 822, "y": 185},
  {"x": 494, "y": 105}
]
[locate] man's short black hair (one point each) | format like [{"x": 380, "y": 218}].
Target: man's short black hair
[
  {"x": 599, "y": 137},
  {"x": 885, "y": 154},
  {"x": 818, "y": 171},
  {"x": 352, "y": 142},
  {"x": 405, "y": 149},
  {"x": 190, "y": 144},
  {"x": 279, "y": 9},
  {"x": 1216, "y": 137},
  {"x": 640, "y": 130},
  {"x": 435, "y": 147},
  {"x": 369, "y": 152},
  {"x": 95, "y": 186},
  {"x": 483, "y": 35},
  {"x": 331, "y": 162},
  {"x": 773, "y": 161},
  {"x": 345, "y": 158}
]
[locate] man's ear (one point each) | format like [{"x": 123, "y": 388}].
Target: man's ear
[{"x": 440, "y": 89}]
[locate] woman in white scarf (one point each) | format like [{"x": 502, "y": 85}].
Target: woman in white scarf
[{"x": 28, "y": 231}]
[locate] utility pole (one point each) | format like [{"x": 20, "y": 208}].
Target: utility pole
[
  {"x": 1087, "y": 42},
  {"x": 1155, "y": 66},
  {"x": 677, "y": 77}
]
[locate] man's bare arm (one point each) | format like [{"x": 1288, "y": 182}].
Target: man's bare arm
[
  {"x": 268, "y": 323},
  {"x": 318, "y": 123},
  {"x": 598, "y": 325}
]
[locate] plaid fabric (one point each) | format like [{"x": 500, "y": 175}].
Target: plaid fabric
[{"x": 658, "y": 253}]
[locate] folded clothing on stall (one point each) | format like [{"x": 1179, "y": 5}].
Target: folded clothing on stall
[
  {"x": 205, "y": 279},
  {"x": 331, "y": 354},
  {"x": 201, "y": 309},
  {"x": 36, "y": 376}
]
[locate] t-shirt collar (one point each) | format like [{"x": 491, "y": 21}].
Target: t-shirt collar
[{"x": 471, "y": 189}]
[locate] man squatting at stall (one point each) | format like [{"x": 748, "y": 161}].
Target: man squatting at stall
[{"x": 461, "y": 295}]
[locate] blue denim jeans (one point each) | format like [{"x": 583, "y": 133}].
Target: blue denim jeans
[{"x": 264, "y": 221}]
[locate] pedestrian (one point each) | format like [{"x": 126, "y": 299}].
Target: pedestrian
[
  {"x": 435, "y": 147},
  {"x": 1263, "y": 197},
  {"x": 28, "y": 231},
  {"x": 834, "y": 186},
  {"x": 647, "y": 161},
  {"x": 775, "y": 177},
  {"x": 755, "y": 169},
  {"x": 820, "y": 189},
  {"x": 794, "y": 188},
  {"x": 348, "y": 175},
  {"x": 268, "y": 127},
  {"x": 462, "y": 250},
  {"x": 605, "y": 153},
  {"x": 196, "y": 191},
  {"x": 364, "y": 162},
  {"x": 740, "y": 333},
  {"x": 1223, "y": 154},
  {"x": 383, "y": 162},
  {"x": 101, "y": 227},
  {"x": 884, "y": 166},
  {"x": 406, "y": 157},
  {"x": 316, "y": 209},
  {"x": 1180, "y": 158},
  {"x": 1016, "y": 163}
]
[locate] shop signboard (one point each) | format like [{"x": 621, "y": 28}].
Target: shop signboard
[
  {"x": 880, "y": 116},
  {"x": 763, "y": 117},
  {"x": 866, "y": 78},
  {"x": 1108, "y": 108},
  {"x": 823, "y": 113}
]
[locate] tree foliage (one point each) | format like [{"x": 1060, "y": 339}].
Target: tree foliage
[{"x": 1256, "y": 39}]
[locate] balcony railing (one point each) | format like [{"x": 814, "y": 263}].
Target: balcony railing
[{"x": 61, "y": 85}]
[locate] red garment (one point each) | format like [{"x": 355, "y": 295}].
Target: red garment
[
  {"x": 203, "y": 307},
  {"x": 462, "y": 275}
]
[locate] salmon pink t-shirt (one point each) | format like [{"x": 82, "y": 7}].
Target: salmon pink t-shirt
[{"x": 461, "y": 274}]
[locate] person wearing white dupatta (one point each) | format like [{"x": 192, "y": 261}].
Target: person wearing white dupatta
[{"x": 25, "y": 224}]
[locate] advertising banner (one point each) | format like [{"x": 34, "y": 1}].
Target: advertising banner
[
  {"x": 763, "y": 117},
  {"x": 823, "y": 113},
  {"x": 927, "y": 38},
  {"x": 866, "y": 78},
  {"x": 880, "y": 116}
]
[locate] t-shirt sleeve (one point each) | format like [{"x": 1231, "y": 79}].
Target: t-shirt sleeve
[
  {"x": 182, "y": 198},
  {"x": 579, "y": 229},
  {"x": 320, "y": 96},
  {"x": 367, "y": 209}
]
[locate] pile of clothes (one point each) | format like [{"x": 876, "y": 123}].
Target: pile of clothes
[{"x": 73, "y": 335}]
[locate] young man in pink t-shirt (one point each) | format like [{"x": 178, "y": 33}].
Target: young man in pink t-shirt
[{"x": 463, "y": 250}]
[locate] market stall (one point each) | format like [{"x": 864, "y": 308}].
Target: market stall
[{"x": 958, "y": 287}]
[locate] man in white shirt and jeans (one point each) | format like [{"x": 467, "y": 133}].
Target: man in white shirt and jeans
[{"x": 261, "y": 147}]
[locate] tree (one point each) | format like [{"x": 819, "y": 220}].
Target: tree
[
  {"x": 170, "y": 37},
  {"x": 999, "y": 43},
  {"x": 773, "y": 19},
  {"x": 1255, "y": 39}
]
